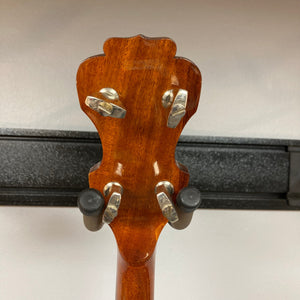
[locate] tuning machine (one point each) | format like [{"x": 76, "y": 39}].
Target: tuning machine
[
  {"x": 180, "y": 214},
  {"x": 107, "y": 104},
  {"x": 114, "y": 190},
  {"x": 164, "y": 191},
  {"x": 178, "y": 106}
]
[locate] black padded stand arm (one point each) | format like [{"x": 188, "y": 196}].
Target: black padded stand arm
[{"x": 50, "y": 168}]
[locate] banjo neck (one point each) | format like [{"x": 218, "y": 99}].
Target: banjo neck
[{"x": 139, "y": 97}]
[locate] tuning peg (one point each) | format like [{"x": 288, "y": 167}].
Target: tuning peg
[
  {"x": 91, "y": 204},
  {"x": 163, "y": 191},
  {"x": 107, "y": 104},
  {"x": 115, "y": 190},
  {"x": 178, "y": 107},
  {"x": 167, "y": 98},
  {"x": 187, "y": 200}
]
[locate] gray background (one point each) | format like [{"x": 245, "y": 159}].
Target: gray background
[{"x": 248, "y": 53}]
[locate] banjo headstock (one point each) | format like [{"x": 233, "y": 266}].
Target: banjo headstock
[{"x": 139, "y": 97}]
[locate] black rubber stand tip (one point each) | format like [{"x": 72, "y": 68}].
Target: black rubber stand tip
[
  {"x": 188, "y": 199},
  {"x": 90, "y": 202}
]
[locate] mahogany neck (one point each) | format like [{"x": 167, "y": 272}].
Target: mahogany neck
[{"x": 135, "y": 283}]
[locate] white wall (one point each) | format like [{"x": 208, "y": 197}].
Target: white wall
[{"x": 248, "y": 53}]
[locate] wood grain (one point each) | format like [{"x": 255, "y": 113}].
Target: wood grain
[{"x": 138, "y": 151}]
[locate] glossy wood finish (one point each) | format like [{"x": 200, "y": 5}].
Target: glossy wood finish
[{"x": 138, "y": 151}]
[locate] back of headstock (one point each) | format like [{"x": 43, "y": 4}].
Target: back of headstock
[{"x": 139, "y": 96}]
